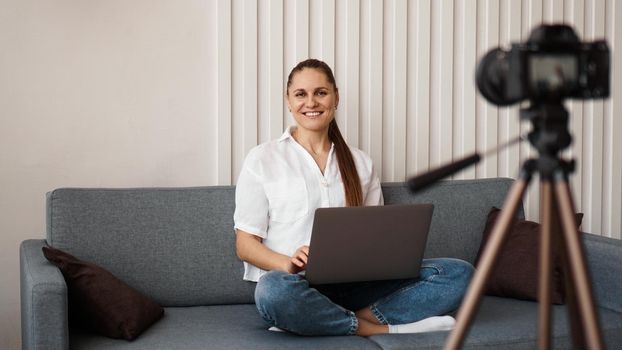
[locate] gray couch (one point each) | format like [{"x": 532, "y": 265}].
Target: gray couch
[{"x": 176, "y": 245}]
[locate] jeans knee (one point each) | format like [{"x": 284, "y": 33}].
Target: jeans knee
[
  {"x": 274, "y": 290},
  {"x": 460, "y": 273},
  {"x": 269, "y": 287},
  {"x": 457, "y": 271}
]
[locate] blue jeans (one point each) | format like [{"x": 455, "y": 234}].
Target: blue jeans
[{"x": 287, "y": 301}]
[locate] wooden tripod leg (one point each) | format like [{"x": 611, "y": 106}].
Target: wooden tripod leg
[
  {"x": 544, "y": 281},
  {"x": 574, "y": 316},
  {"x": 467, "y": 311},
  {"x": 575, "y": 256}
]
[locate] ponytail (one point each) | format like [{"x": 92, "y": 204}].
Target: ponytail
[{"x": 347, "y": 168}]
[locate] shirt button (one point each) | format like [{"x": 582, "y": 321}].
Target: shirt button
[{"x": 324, "y": 183}]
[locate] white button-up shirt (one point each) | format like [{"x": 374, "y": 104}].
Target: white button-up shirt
[{"x": 279, "y": 188}]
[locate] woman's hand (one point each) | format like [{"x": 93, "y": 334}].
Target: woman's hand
[
  {"x": 251, "y": 249},
  {"x": 298, "y": 261}
]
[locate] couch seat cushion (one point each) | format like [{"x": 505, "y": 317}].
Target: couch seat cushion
[
  {"x": 504, "y": 323},
  {"x": 500, "y": 324},
  {"x": 216, "y": 327}
]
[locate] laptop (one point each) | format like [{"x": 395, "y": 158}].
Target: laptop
[{"x": 354, "y": 244}]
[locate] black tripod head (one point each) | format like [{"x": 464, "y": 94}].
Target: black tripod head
[
  {"x": 550, "y": 133},
  {"x": 549, "y": 136}
]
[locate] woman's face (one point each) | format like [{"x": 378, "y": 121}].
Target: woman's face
[{"x": 312, "y": 99}]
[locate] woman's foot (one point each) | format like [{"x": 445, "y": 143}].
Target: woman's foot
[{"x": 430, "y": 324}]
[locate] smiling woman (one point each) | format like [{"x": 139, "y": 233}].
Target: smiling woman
[
  {"x": 281, "y": 184},
  {"x": 312, "y": 98}
]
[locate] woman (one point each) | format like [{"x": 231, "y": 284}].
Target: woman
[{"x": 281, "y": 184}]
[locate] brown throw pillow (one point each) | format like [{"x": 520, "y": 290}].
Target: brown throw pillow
[
  {"x": 100, "y": 301},
  {"x": 516, "y": 273}
]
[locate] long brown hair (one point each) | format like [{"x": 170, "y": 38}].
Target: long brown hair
[{"x": 347, "y": 168}]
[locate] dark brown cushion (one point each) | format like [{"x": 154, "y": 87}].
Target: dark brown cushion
[
  {"x": 102, "y": 302},
  {"x": 516, "y": 273}
]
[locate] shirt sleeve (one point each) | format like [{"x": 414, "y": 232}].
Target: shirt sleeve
[
  {"x": 374, "y": 190},
  {"x": 251, "y": 203},
  {"x": 370, "y": 183}
]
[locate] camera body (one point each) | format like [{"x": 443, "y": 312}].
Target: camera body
[{"x": 552, "y": 65}]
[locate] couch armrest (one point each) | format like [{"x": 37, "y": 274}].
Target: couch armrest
[
  {"x": 604, "y": 259},
  {"x": 43, "y": 300}
]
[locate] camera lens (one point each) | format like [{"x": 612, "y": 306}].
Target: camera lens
[{"x": 491, "y": 75}]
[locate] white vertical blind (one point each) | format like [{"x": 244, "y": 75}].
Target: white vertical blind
[
  {"x": 347, "y": 68},
  {"x": 394, "y": 88},
  {"x": 465, "y": 59},
  {"x": 270, "y": 63},
  {"x": 441, "y": 82},
  {"x": 418, "y": 142},
  {"x": 244, "y": 96},
  {"x": 405, "y": 71},
  {"x": 223, "y": 86},
  {"x": 487, "y": 116},
  {"x": 371, "y": 80}
]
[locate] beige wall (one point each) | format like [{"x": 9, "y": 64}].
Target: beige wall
[
  {"x": 173, "y": 93},
  {"x": 97, "y": 93}
]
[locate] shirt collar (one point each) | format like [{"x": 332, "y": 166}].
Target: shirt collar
[{"x": 288, "y": 133}]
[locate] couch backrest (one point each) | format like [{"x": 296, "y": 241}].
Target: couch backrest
[{"x": 177, "y": 244}]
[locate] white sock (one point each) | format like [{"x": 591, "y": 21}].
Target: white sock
[
  {"x": 275, "y": 329},
  {"x": 430, "y": 324}
]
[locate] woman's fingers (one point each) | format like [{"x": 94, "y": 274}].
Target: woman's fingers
[
  {"x": 301, "y": 256},
  {"x": 298, "y": 262}
]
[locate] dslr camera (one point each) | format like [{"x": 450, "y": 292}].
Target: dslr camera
[{"x": 552, "y": 65}]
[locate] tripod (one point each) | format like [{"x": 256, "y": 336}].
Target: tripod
[{"x": 558, "y": 227}]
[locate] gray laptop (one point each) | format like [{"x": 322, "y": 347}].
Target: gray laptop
[{"x": 355, "y": 244}]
